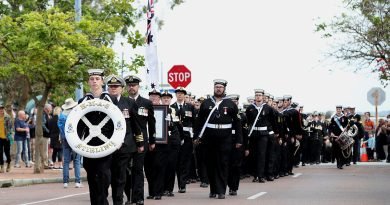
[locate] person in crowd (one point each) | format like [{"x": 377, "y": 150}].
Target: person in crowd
[
  {"x": 47, "y": 115},
  {"x": 6, "y": 136},
  {"x": 55, "y": 139},
  {"x": 21, "y": 131},
  {"x": 67, "y": 151},
  {"x": 368, "y": 125}
]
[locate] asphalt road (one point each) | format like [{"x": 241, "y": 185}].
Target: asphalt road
[{"x": 317, "y": 184}]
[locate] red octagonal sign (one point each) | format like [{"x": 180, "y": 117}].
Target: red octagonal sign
[{"x": 179, "y": 76}]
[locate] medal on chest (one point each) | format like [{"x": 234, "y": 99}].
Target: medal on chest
[
  {"x": 225, "y": 110},
  {"x": 125, "y": 113}
]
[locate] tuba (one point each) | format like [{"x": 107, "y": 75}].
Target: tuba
[{"x": 346, "y": 137}]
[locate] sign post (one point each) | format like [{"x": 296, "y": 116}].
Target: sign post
[{"x": 376, "y": 96}]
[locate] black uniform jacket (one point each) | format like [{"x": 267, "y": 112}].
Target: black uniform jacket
[{"x": 227, "y": 113}]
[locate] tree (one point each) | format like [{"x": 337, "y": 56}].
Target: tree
[
  {"x": 43, "y": 47},
  {"x": 364, "y": 31},
  {"x": 47, "y": 50}
]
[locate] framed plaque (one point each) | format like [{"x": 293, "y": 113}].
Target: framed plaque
[{"x": 160, "y": 113}]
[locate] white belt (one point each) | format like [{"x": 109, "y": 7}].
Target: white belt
[
  {"x": 233, "y": 132},
  {"x": 260, "y": 128},
  {"x": 219, "y": 126},
  {"x": 188, "y": 129},
  {"x": 271, "y": 133}
]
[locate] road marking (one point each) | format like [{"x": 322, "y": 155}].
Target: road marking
[
  {"x": 53, "y": 199},
  {"x": 297, "y": 175},
  {"x": 256, "y": 195}
]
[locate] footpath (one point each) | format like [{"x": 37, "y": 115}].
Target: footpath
[{"x": 25, "y": 176}]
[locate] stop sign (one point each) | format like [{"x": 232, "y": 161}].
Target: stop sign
[{"x": 179, "y": 76}]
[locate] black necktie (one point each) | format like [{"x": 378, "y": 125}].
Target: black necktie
[{"x": 180, "y": 111}]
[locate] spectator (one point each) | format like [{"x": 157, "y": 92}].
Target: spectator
[
  {"x": 5, "y": 139},
  {"x": 368, "y": 126},
  {"x": 67, "y": 150},
  {"x": 370, "y": 147},
  {"x": 46, "y": 135},
  {"x": 381, "y": 139},
  {"x": 21, "y": 131},
  {"x": 31, "y": 125},
  {"x": 387, "y": 127},
  {"x": 55, "y": 139}
]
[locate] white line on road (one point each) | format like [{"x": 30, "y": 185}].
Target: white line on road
[
  {"x": 53, "y": 199},
  {"x": 256, "y": 195},
  {"x": 297, "y": 175}
]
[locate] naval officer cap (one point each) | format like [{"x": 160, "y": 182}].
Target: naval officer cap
[
  {"x": 132, "y": 79},
  {"x": 266, "y": 95},
  {"x": 114, "y": 80},
  {"x": 193, "y": 97},
  {"x": 181, "y": 90},
  {"x": 201, "y": 99},
  {"x": 287, "y": 97},
  {"x": 250, "y": 98},
  {"x": 271, "y": 97},
  {"x": 245, "y": 105},
  {"x": 99, "y": 72},
  {"x": 259, "y": 91},
  {"x": 294, "y": 105},
  {"x": 233, "y": 96},
  {"x": 220, "y": 82},
  {"x": 339, "y": 106},
  {"x": 167, "y": 94},
  {"x": 154, "y": 92},
  {"x": 278, "y": 99}
]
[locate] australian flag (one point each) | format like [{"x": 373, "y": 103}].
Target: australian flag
[{"x": 152, "y": 69}]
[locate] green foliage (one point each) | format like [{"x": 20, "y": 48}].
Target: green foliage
[{"x": 365, "y": 30}]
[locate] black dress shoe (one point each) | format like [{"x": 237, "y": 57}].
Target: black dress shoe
[
  {"x": 182, "y": 190},
  {"x": 233, "y": 193},
  {"x": 221, "y": 196},
  {"x": 255, "y": 179},
  {"x": 271, "y": 178},
  {"x": 212, "y": 195},
  {"x": 128, "y": 203},
  {"x": 165, "y": 193},
  {"x": 203, "y": 185},
  {"x": 150, "y": 197},
  {"x": 286, "y": 174},
  {"x": 170, "y": 194},
  {"x": 277, "y": 176},
  {"x": 157, "y": 198},
  {"x": 290, "y": 173},
  {"x": 141, "y": 202},
  {"x": 303, "y": 164},
  {"x": 261, "y": 180},
  {"x": 339, "y": 166}
]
